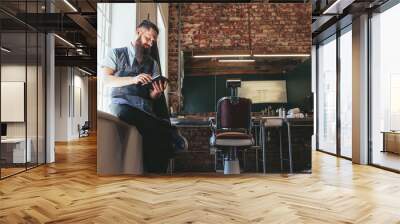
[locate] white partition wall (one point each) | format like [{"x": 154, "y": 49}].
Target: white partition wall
[{"x": 71, "y": 102}]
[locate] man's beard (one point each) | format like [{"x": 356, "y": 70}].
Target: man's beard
[{"x": 140, "y": 51}]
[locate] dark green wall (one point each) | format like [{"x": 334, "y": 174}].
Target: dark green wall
[
  {"x": 298, "y": 85},
  {"x": 201, "y": 93}
]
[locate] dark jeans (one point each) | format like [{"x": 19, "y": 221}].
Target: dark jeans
[{"x": 156, "y": 135}]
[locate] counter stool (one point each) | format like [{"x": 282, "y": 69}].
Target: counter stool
[{"x": 276, "y": 123}]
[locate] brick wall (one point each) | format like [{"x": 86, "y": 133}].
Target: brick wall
[
  {"x": 199, "y": 159},
  {"x": 275, "y": 28}
]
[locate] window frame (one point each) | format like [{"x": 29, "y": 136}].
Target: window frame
[{"x": 337, "y": 37}]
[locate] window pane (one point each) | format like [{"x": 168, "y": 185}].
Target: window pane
[
  {"x": 161, "y": 40},
  {"x": 327, "y": 96},
  {"x": 346, "y": 94},
  {"x": 116, "y": 24},
  {"x": 385, "y": 84}
]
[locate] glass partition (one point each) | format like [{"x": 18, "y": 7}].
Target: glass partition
[
  {"x": 15, "y": 149},
  {"x": 22, "y": 88},
  {"x": 204, "y": 82}
]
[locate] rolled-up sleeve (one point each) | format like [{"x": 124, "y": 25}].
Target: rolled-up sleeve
[{"x": 110, "y": 61}]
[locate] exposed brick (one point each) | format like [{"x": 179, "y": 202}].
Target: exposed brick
[
  {"x": 198, "y": 157},
  {"x": 275, "y": 28}
]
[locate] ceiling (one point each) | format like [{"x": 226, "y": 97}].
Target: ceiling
[
  {"x": 78, "y": 27},
  {"x": 331, "y": 15}
]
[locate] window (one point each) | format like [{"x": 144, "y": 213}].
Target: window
[
  {"x": 116, "y": 24},
  {"x": 346, "y": 93},
  {"x": 162, "y": 38},
  {"x": 385, "y": 85},
  {"x": 103, "y": 44},
  {"x": 327, "y": 95}
]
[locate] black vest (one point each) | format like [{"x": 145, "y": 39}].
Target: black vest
[{"x": 133, "y": 95}]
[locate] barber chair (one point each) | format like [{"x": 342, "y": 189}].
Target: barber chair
[
  {"x": 119, "y": 146},
  {"x": 232, "y": 130}
]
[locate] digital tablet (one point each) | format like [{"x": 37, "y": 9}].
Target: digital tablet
[
  {"x": 156, "y": 78},
  {"x": 159, "y": 77}
]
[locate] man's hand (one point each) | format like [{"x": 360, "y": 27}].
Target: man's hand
[
  {"x": 158, "y": 88},
  {"x": 142, "y": 79}
]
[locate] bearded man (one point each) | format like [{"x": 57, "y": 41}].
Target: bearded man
[{"x": 139, "y": 101}]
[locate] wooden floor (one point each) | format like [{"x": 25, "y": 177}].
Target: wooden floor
[
  {"x": 10, "y": 171},
  {"x": 69, "y": 191},
  {"x": 386, "y": 159}
]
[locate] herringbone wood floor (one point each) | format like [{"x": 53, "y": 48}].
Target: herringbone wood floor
[{"x": 69, "y": 191}]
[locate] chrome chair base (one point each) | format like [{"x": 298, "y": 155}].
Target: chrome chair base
[{"x": 231, "y": 166}]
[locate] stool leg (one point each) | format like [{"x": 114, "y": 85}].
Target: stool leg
[
  {"x": 171, "y": 166},
  {"x": 264, "y": 145},
  {"x": 244, "y": 159},
  {"x": 280, "y": 148},
  {"x": 259, "y": 143},
  {"x": 257, "y": 160},
  {"x": 290, "y": 148},
  {"x": 215, "y": 160}
]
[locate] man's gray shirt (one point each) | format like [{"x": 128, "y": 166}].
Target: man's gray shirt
[{"x": 123, "y": 62}]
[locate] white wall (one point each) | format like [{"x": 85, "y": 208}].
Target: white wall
[
  {"x": 12, "y": 73},
  {"x": 314, "y": 91},
  {"x": 71, "y": 93},
  {"x": 33, "y": 126},
  {"x": 61, "y": 103},
  {"x": 123, "y": 24},
  {"x": 79, "y": 117}
]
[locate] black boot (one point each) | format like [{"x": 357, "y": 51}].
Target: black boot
[{"x": 179, "y": 142}]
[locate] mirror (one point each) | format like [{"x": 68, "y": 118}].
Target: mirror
[{"x": 205, "y": 78}]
